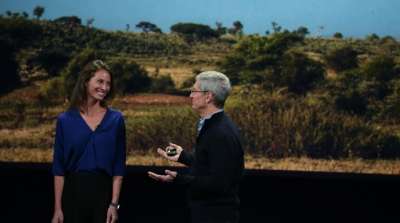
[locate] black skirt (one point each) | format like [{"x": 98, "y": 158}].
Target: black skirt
[{"x": 86, "y": 197}]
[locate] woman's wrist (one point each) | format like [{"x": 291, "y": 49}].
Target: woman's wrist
[{"x": 114, "y": 205}]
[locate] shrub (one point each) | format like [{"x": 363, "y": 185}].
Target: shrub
[
  {"x": 391, "y": 107},
  {"x": 52, "y": 60},
  {"x": 342, "y": 58},
  {"x": 299, "y": 73},
  {"x": 52, "y": 92},
  {"x": 380, "y": 68},
  {"x": 129, "y": 77},
  {"x": 163, "y": 84},
  {"x": 9, "y": 77},
  {"x": 280, "y": 126},
  {"x": 21, "y": 31},
  {"x": 188, "y": 83},
  {"x": 159, "y": 126},
  {"x": 351, "y": 101}
]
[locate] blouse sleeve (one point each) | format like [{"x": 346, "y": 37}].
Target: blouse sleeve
[
  {"x": 58, "y": 153},
  {"x": 120, "y": 156}
]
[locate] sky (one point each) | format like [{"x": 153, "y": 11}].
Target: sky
[{"x": 353, "y": 18}]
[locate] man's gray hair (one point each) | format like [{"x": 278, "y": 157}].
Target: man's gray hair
[{"x": 217, "y": 83}]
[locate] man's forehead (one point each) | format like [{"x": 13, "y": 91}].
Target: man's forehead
[{"x": 196, "y": 84}]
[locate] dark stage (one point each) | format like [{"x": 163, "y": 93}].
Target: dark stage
[{"x": 267, "y": 196}]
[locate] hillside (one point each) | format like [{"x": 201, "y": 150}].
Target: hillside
[{"x": 326, "y": 98}]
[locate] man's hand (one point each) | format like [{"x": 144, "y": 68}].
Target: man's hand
[
  {"x": 167, "y": 178},
  {"x": 175, "y": 158}
]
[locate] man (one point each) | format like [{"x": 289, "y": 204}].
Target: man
[{"x": 216, "y": 163}]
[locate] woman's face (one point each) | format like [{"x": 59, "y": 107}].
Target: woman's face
[{"x": 99, "y": 85}]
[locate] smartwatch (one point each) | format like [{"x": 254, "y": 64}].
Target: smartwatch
[{"x": 114, "y": 205}]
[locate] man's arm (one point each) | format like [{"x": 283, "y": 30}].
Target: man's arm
[
  {"x": 225, "y": 161},
  {"x": 186, "y": 158}
]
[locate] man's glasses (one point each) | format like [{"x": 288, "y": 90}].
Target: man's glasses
[{"x": 194, "y": 91}]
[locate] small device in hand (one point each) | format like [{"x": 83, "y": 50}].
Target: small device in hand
[{"x": 171, "y": 151}]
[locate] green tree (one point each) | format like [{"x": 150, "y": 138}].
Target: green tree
[
  {"x": 38, "y": 11},
  {"x": 276, "y": 28},
  {"x": 193, "y": 31},
  {"x": 25, "y": 15},
  {"x": 372, "y": 37},
  {"x": 259, "y": 59},
  {"x": 69, "y": 20},
  {"x": 338, "y": 35},
  {"x": 148, "y": 27},
  {"x": 221, "y": 30},
  {"x": 129, "y": 77},
  {"x": 237, "y": 28},
  {"x": 303, "y": 31}
]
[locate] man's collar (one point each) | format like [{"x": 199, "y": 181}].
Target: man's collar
[{"x": 211, "y": 114}]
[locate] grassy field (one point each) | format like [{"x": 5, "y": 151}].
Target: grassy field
[
  {"x": 251, "y": 162},
  {"x": 21, "y": 144}
]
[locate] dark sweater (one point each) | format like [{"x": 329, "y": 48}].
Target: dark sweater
[{"x": 216, "y": 164}]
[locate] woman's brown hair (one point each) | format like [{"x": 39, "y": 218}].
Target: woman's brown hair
[{"x": 79, "y": 94}]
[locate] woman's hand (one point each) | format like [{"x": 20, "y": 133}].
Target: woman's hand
[
  {"x": 112, "y": 214},
  {"x": 58, "y": 217}
]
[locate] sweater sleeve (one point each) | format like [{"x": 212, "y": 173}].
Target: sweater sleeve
[
  {"x": 186, "y": 158},
  {"x": 120, "y": 152},
  {"x": 224, "y": 163},
  {"x": 58, "y": 153}
]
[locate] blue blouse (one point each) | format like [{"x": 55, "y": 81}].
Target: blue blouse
[{"x": 77, "y": 148}]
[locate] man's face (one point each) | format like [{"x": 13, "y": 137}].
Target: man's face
[{"x": 198, "y": 97}]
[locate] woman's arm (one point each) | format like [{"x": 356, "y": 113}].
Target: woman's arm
[
  {"x": 112, "y": 214},
  {"x": 119, "y": 170},
  {"x": 116, "y": 189},
  {"x": 58, "y": 190}
]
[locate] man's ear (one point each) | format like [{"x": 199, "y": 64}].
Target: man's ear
[{"x": 209, "y": 97}]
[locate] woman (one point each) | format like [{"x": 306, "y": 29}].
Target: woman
[{"x": 89, "y": 152}]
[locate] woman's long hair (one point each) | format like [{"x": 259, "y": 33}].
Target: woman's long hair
[{"x": 79, "y": 94}]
